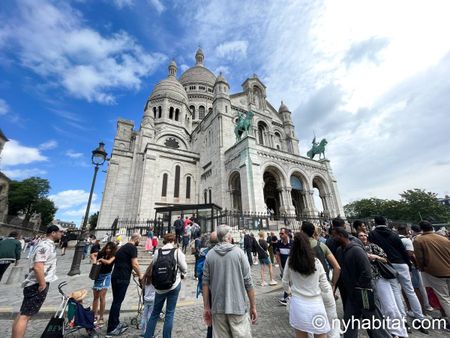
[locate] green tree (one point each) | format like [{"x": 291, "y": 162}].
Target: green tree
[
  {"x": 93, "y": 221},
  {"x": 420, "y": 204},
  {"x": 366, "y": 207},
  {"x": 414, "y": 205},
  {"x": 30, "y": 196}
]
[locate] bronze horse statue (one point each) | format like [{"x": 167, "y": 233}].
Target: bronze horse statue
[
  {"x": 243, "y": 124},
  {"x": 317, "y": 149}
]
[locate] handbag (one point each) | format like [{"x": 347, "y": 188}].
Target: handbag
[
  {"x": 386, "y": 270},
  {"x": 364, "y": 298},
  {"x": 54, "y": 328},
  {"x": 95, "y": 271}
]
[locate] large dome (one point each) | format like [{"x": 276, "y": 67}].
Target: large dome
[{"x": 198, "y": 74}]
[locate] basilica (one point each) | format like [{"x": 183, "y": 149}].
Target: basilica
[{"x": 185, "y": 151}]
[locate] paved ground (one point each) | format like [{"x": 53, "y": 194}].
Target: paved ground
[{"x": 273, "y": 318}]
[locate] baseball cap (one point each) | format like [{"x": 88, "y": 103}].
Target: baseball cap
[{"x": 54, "y": 227}]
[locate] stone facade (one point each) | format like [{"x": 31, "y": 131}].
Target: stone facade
[{"x": 185, "y": 152}]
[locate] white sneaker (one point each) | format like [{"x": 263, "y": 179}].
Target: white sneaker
[
  {"x": 273, "y": 282},
  {"x": 410, "y": 314},
  {"x": 255, "y": 263},
  {"x": 263, "y": 284}
]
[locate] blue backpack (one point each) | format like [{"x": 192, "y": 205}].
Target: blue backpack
[{"x": 199, "y": 269}]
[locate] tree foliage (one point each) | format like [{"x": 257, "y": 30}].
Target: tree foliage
[
  {"x": 30, "y": 196},
  {"x": 93, "y": 221},
  {"x": 413, "y": 206}
]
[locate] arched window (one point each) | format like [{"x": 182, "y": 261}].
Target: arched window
[
  {"x": 164, "y": 185},
  {"x": 188, "y": 187},
  {"x": 192, "y": 108},
  {"x": 159, "y": 112},
  {"x": 177, "y": 113},
  {"x": 176, "y": 190},
  {"x": 171, "y": 113},
  {"x": 201, "y": 112},
  {"x": 210, "y": 110},
  {"x": 278, "y": 140},
  {"x": 154, "y": 112},
  {"x": 261, "y": 132}
]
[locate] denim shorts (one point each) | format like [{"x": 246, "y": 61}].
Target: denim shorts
[
  {"x": 102, "y": 282},
  {"x": 265, "y": 261}
]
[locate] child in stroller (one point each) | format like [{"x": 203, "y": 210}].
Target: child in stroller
[{"x": 71, "y": 316}]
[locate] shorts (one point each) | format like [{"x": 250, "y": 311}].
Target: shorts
[
  {"x": 103, "y": 281},
  {"x": 265, "y": 261},
  {"x": 32, "y": 299}
]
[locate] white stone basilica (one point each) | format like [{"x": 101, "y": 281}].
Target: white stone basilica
[{"x": 185, "y": 152}]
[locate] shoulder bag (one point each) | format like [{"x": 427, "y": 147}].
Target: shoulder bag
[{"x": 95, "y": 271}]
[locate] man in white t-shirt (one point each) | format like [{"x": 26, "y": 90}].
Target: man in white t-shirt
[
  {"x": 416, "y": 277},
  {"x": 41, "y": 273}
]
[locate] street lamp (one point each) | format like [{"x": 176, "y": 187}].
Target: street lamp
[{"x": 98, "y": 158}]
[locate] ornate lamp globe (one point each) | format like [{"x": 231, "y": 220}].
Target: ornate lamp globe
[{"x": 99, "y": 154}]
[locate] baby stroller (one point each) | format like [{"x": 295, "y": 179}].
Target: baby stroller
[{"x": 70, "y": 317}]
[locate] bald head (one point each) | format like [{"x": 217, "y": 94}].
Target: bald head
[
  {"x": 213, "y": 238},
  {"x": 135, "y": 238}
]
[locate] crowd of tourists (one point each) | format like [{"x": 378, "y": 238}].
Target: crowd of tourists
[{"x": 379, "y": 273}]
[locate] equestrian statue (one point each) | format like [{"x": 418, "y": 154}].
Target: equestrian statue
[
  {"x": 318, "y": 148},
  {"x": 243, "y": 124}
]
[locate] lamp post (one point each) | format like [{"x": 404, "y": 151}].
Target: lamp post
[{"x": 98, "y": 158}]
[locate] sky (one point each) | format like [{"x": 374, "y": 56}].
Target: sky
[{"x": 372, "y": 77}]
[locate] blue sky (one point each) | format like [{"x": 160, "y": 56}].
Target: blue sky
[{"x": 371, "y": 77}]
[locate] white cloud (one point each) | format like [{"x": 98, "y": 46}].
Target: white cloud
[
  {"x": 19, "y": 174},
  {"x": 14, "y": 153},
  {"x": 51, "y": 144},
  {"x": 68, "y": 199},
  {"x": 232, "y": 50},
  {"x": 79, "y": 212},
  {"x": 73, "y": 154},
  {"x": 55, "y": 42},
  {"x": 4, "y": 108},
  {"x": 123, "y": 3},
  {"x": 158, "y": 5},
  {"x": 377, "y": 90}
]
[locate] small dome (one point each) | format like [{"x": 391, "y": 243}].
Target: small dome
[
  {"x": 170, "y": 87},
  {"x": 199, "y": 57},
  {"x": 220, "y": 78},
  {"x": 283, "y": 108}
]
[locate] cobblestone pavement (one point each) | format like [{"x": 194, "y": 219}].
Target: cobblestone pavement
[
  {"x": 273, "y": 318},
  {"x": 272, "y": 322}
]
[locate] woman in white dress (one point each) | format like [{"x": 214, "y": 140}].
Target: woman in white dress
[{"x": 304, "y": 278}]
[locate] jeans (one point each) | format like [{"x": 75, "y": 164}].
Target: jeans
[
  {"x": 148, "y": 308},
  {"x": 403, "y": 281},
  {"x": 160, "y": 298},
  {"x": 388, "y": 305},
  {"x": 249, "y": 257},
  {"x": 119, "y": 289}
]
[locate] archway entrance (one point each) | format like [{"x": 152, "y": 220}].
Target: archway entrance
[
  {"x": 235, "y": 189},
  {"x": 297, "y": 196},
  {"x": 271, "y": 193},
  {"x": 320, "y": 197}
]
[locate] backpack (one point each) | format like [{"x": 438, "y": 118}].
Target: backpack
[
  {"x": 199, "y": 269},
  {"x": 164, "y": 271},
  {"x": 321, "y": 257}
]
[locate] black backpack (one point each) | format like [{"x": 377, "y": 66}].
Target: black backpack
[
  {"x": 321, "y": 257},
  {"x": 164, "y": 272}
]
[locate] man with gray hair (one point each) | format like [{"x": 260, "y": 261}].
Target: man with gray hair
[{"x": 227, "y": 275}]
